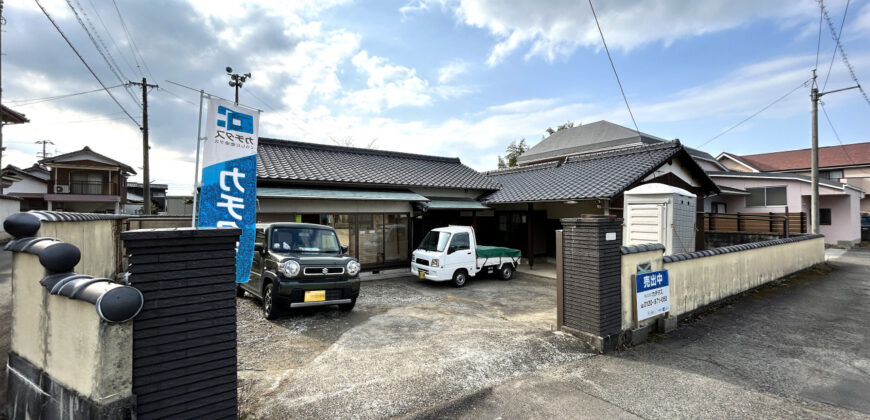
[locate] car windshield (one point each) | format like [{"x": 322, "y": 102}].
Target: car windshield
[
  {"x": 292, "y": 239},
  {"x": 865, "y": 220},
  {"x": 435, "y": 241}
]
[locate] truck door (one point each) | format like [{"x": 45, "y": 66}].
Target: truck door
[{"x": 460, "y": 254}]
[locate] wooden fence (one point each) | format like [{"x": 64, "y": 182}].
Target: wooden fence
[{"x": 778, "y": 223}]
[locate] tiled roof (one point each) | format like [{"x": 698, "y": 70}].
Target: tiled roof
[
  {"x": 599, "y": 175},
  {"x": 284, "y": 160},
  {"x": 600, "y": 135},
  {"x": 830, "y": 156}
]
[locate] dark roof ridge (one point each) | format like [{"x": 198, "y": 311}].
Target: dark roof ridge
[
  {"x": 522, "y": 168},
  {"x": 357, "y": 150},
  {"x": 675, "y": 144}
]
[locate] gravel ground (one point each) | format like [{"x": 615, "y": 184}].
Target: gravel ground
[{"x": 407, "y": 346}]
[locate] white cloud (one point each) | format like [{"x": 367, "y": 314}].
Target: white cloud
[
  {"x": 389, "y": 85},
  {"x": 451, "y": 71},
  {"x": 559, "y": 27}
]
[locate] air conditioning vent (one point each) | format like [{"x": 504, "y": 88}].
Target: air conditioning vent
[{"x": 62, "y": 189}]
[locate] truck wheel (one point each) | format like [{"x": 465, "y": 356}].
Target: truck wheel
[
  {"x": 239, "y": 291},
  {"x": 459, "y": 278},
  {"x": 506, "y": 272},
  {"x": 270, "y": 310},
  {"x": 347, "y": 307}
]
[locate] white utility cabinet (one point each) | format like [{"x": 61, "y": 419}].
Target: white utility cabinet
[{"x": 659, "y": 213}]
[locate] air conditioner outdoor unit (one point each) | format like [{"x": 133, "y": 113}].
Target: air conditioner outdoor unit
[{"x": 61, "y": 189}]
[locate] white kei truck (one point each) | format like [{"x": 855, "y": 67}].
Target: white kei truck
[{"x": 452, "y": 254}]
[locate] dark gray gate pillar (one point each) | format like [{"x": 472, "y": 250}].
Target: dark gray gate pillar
[
  {"x": 184, "y": 340},
  {"x": 591, "y": 265}
]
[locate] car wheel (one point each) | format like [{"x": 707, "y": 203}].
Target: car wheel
[
  {"x": 347, "y": 307},
  {"x": 239, "y": 291},
  {"x": 459, "y": 278},
  {"x": 270, "y": 310},
  {"x": 506, "y": 272}
]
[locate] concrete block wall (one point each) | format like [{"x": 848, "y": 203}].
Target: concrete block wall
[
  {"x": 702, "y": 278},
  {"x": 591, "y": 275}
]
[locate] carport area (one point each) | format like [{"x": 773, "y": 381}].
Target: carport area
[{"x": 408, "y": 345}]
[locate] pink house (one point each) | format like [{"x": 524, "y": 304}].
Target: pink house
[{"x": 777, "y": 192}]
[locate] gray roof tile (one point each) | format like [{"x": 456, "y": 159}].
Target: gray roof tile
[
  {"x": 599, "y": 175},
  {"x": 284, "y": 160}
]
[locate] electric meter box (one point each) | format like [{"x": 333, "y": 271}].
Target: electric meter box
[{"x": 659, "y": 213}]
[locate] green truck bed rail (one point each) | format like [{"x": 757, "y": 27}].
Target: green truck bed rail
[{"x": 484, "y": 251}]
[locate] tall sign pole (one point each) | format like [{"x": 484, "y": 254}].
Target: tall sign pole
[
  {"x": 196, "y": 170},
  {"x": 228, "y": 193}
]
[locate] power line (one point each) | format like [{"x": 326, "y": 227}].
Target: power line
[
  {"x": 84, "y": 62},
  {"x": 133, "y": 48},
  {"x": 276, "y": 112},
  {"x": 803, "y": 84},
  {"x": 26, "y": 102},
  {"x": 111, "y": 38},
  {"x": 614, "y": 68},
  {"x": 837, "y": 136},
  {"x": 100, "y": 50},
  {"x": 837, "y": 40},
  {"x": 163, "y": 89},
  {"x": 819, "y": 41},
  {"x": 843, "y": 53}
]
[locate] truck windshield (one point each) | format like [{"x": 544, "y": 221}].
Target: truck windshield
[
  {"x": 290, "y": 239},
  {"x": 435, "y": 241}
]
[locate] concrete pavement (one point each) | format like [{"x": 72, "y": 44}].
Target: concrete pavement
[{"x": 797, "y": 349}]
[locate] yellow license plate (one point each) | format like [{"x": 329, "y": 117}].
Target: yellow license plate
[
  {"x": 421, "y": 274},
  {"x": 315, "y": 295}
]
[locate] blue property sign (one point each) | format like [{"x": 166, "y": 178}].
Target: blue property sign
[
  {"x": 653, "y": 294},
  {"x": 228, "y": 196}
]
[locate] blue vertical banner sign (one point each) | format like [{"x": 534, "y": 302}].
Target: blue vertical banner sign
[{"x": 228, "y": 196}]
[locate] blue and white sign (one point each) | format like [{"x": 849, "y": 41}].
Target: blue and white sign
[
  {"x": 228, "y": 196},
  {"x": 653, "y": 294}
]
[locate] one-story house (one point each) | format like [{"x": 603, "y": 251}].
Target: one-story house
[{"x": 380, "y": 202}]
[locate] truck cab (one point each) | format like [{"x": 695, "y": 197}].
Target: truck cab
[
  {"x": 301, "y": 265},
  {"x": 453, "y": 254}
]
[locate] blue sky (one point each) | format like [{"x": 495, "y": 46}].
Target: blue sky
[{"x": 457, "y": 78}]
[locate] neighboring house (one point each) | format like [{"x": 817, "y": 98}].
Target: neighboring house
[
  {"x": 780, "y": 193},
  {"x": 158, "y": 195},
  {"x": 28, "y": 184},
  {"x": 848, "y": 163},
  {"x": 591, "y": 182},
  {"x": 179, "y": 205},
  {"x": 10, "y": 116},
  {"x": 86, "y": 181},
  {"x": 380, "y": 203}
]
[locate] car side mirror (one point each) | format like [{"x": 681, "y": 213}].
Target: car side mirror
[
  {"x": 451, "y": 250},
  {"x": 344, "y": 249},
  {"x": 258, "y": 247}
]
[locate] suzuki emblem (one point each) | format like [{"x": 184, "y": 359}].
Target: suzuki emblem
[{"x": 325, "y": 270}]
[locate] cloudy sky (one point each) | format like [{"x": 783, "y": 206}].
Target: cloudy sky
[{"x": 454, "y": 78}]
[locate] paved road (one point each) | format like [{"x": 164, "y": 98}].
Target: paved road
[{"x": 799, "y": 349}]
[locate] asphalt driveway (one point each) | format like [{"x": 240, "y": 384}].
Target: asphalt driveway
[{"x": 408, "y": 345}]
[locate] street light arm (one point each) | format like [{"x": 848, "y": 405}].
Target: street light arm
[{"x": 820, "y": 94}]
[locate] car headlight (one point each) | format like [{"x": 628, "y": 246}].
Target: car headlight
[
  {"x": 289, "y": 268},
  {"x": 435, "y": 263},
  {"x": 353, "y": 268}
]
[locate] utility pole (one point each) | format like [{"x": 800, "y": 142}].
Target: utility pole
[
  {"x": 815, "y": 96},
  {"x": 43, "y": 143},
  {"x": 146, "y": 181},
  {"x": 237, "y": 80}
]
